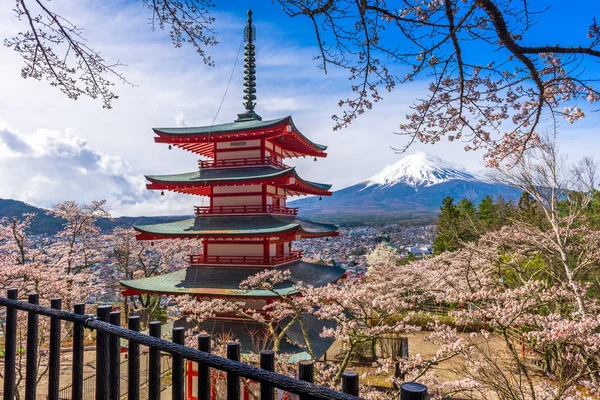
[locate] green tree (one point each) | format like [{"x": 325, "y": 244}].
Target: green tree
[{"x": 445, "y": 239}]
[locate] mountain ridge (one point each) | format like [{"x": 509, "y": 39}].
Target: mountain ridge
[
  {"x": 47, "y": 224},
  {"x": 411, "y": 190}
]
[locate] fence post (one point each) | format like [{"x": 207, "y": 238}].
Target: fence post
[
  {"x": 413, "y": 391},
  {"x": 102, "y": 357},
  {"x": 77, "y": 373},
  {"x": 10, "y": 347},
  {"x": 306, "y": 372},
  {"x": 402, "y": 353},
  {"x": 350, "y": 383},
  {"x": 177, "y": 384},
  {"x": 54, "y": 356},
  {"x": 115, "y": 358},
  {"x": 233, "y": 379},
  {"x": 267, "y": 362},
  {"x": 133, "y": 361},
  {"x": 154, "y": 369},
  {"x": 203, "y": 369},
  {"x": 32, "y": 350}
]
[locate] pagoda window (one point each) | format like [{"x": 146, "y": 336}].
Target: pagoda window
[
  {"x": 218, "y": 190},
  {"x": 238, "y": 144},
  {"x": 235, "y": 249},
  {"x": 241, "y": 154},
  {"x": 237, "y": 201}
]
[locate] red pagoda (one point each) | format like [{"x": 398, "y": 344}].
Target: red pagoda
[{"x": 247, "y": 225}]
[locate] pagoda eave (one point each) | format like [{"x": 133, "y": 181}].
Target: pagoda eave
[
  {"x": 201, "y": 140},
  {"x": 218, "y": 293},
  {"x": 225, "y": 281},
  {"x": 141, "y": 235},
  {"x": 201, "y": 182},
  {"x": 319, "y": 235},
  {"x": 238, "y": 227}
]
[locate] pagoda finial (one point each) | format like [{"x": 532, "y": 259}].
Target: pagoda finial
[{"x": 249, "y": 73}]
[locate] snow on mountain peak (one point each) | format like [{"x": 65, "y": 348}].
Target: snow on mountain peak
[{"x": 420, "y": 169}]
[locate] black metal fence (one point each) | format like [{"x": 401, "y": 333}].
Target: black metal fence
[{"x": 108, "y": 365}]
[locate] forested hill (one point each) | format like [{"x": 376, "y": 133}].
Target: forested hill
[{"x": 46, "y": 224}]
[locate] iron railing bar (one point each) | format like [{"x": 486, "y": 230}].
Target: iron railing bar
[{"x": 283, "y": 382}]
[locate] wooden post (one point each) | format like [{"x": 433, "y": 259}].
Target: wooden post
[
  {"x": 114, "y": 343},
  {"x": 267, "y": 362},
  {"x": 77, "y": 373},
  {"x": 350, "y": 383},
  {"x": 10, "y": 347},
  {"x": 204, "y": 381},
  {"x": 306, "y": 372},
  {"x": 402, "y": 353},
  {"x": 413, "y": 391},
  {"x": 32, "y": 350},
  {"x": 54, "y": 356},
  {"x": 233, "y": 379},
  {"x": 102, "y": 355},
  {"x": 178, "y": 385},
  {"x": 154, "y": 368},
  {"x": 133, "y": 361}
]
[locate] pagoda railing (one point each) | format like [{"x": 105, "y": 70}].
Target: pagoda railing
[
  {"x": 198, "y": 259},
  {"x": 253, "y": 209},
  {"x": 241, "y": 162},
  {"x": 108, "y": 359}
]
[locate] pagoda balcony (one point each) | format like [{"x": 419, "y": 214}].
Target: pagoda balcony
[
  {"x": 242, "y": 162},
  {"x": 252, "y": 261},
  {"x": 256, "y": 209}
]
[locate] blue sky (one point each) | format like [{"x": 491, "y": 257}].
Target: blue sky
[{"x": 54, "y": 149}]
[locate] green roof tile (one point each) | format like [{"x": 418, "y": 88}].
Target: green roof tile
[
  {"x": 236, "y": 225},
  {"x": 225, "y": 281},
  {"x": 214, "y": 175},
  {"x": 234, "y": 127}
]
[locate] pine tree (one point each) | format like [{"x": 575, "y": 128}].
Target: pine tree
[{"x": 448, "y": 221}]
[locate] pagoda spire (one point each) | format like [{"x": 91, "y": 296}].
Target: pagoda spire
[{"x": 249, "y": 73}]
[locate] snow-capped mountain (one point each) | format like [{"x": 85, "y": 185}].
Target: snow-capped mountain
[
  {"x": 418, "y": 170},
  {"x": 412, "y": 188}
]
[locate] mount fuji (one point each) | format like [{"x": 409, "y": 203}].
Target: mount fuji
[{"x": 411, "y": 189}]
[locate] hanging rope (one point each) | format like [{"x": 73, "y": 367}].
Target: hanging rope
[{"x": 228, "y": 83}]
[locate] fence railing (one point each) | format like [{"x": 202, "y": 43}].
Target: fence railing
[
  {"x": 245, "y": 209},
  {"x": 108, "y": 335},
  {"x": 89, "y": 382},
  {"x": 242, "y": 162},
  {"x": 108, "y": 361}
]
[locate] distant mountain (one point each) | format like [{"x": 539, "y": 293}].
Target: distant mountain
[
  {"x": 410, "y": 190},
  {"x": 46, "y": 224}
]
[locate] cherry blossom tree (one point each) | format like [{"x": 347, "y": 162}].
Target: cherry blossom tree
[
  {"x": 491, "y": 83},
  {"x": 136, "y": 259},
  {"x": 563, "y": 192},
  {"x": 54, "y": 48},
  {"x": 53, "y": 267}
]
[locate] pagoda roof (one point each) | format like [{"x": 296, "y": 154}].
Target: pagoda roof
[
  {"x": 191, "y": 138},
  {"x": 225, "y": 281},
  {"x": 238, "y": 225},
  {"x": 251, "y": 336},
  {"x": 198, "y": 182}
]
